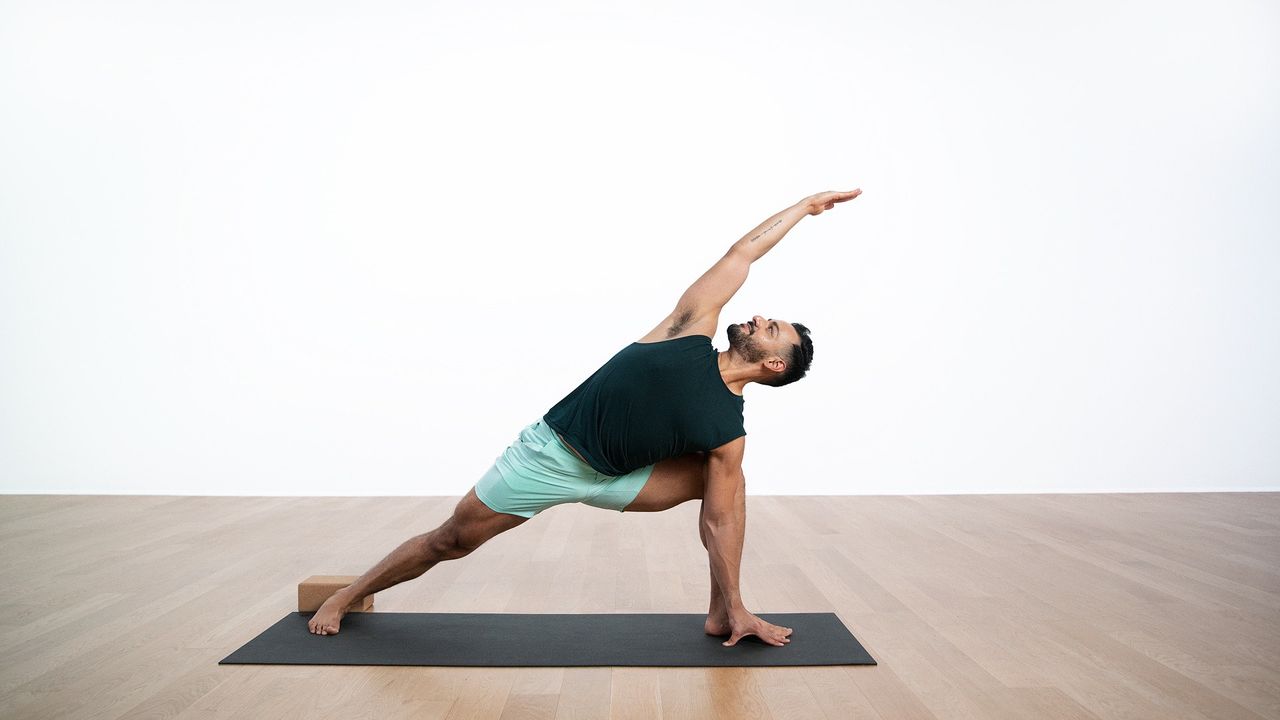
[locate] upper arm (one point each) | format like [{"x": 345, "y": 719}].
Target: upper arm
[
  {"x": 698, "y": 310},
  {"x": 726, "y": 490},
  {"x": 712, "y": 291}
]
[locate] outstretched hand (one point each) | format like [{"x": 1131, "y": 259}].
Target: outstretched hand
[{"x": 815, "y": 204}]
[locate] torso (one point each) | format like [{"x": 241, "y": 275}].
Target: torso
[
  {"x": 681, "y": 323},
  {"x": 676, "y": 325}
]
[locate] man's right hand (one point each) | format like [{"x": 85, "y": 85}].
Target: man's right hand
[{"x": 743, "y": 623}]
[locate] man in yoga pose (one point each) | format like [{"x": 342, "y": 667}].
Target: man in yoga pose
[{"x": 657, "y": 425}]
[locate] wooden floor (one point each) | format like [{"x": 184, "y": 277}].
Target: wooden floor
[{"x": 975, "y": 606}]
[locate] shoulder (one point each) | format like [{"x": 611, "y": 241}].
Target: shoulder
[{"x": 731, "y": 451}]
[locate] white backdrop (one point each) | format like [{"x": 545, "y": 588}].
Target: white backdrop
[{"x": 269, "y": 248}]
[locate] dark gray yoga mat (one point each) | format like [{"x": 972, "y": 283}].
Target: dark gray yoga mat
[{"x": 546, "y": 639}]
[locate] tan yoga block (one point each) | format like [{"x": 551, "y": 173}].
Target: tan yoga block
[{"x": 313, "y": 591}]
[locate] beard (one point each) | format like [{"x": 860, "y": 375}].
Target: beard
[{"x": 744, "y": 344}]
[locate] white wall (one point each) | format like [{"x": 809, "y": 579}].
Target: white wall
[{"x": 281, "y": 248}]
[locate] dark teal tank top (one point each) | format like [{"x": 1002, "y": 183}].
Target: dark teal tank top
[{"x": 649, "y": 402}]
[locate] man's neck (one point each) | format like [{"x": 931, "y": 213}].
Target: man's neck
[{"x": 729, "y": 373}]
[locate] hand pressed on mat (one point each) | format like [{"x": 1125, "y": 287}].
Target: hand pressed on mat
[{"x": 743, "y": 623}]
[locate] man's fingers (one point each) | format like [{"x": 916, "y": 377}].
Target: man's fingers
[
  {"x": 767, "y": 632},
  {"x": 779, "y": 642}
]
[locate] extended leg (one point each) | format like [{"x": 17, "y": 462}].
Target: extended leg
[{"x": 471, "y": 525}]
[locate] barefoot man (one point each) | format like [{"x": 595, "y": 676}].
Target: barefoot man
[{"x": 659, "y": 424}]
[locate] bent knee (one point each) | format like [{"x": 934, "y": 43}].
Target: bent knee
[{"x": 447, "y": 543}]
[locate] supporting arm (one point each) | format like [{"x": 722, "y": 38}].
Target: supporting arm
[
  {"x": 725, "y": 535},
  {"x": 724, "y": 518},
  {"x": 724, "y": 506}
]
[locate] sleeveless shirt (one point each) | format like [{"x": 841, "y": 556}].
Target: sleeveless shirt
[{"x": 649, "y": 402}]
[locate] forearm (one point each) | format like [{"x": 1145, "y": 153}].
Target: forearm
[
  {"x": 724, "y": 539},
  {"x": 767, "y": 234}
]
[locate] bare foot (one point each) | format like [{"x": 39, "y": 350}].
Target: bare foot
[
  {"x": 717, "y": 624},
  {"x": 329, "y": 616}
]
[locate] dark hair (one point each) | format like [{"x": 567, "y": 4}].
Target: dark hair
[{"x": 798, "y": 359}]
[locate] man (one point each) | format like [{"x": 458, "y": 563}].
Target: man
[{"x": 659, "y": 424}]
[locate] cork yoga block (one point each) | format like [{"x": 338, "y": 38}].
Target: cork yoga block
[{"x": 313, "y": 591}]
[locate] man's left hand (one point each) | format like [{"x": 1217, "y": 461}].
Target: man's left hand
[{"x": 815, "y": 204}]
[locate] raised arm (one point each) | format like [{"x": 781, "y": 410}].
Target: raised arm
[
  {"x": 717, "y": 286},
  {"x": 767, "y": 234}
]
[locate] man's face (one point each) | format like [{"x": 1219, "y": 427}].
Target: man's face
[{"x": 762, "y": 338}]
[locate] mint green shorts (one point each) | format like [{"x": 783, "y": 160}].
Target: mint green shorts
[{"x": 537, "y": 471}]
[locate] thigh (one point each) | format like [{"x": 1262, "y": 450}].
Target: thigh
[
  {"x": 533, "y": 474},
  {"x": 671, "y": 482}
]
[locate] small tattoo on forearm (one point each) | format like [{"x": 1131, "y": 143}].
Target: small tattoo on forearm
[{"x": 766, "y": 230}]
